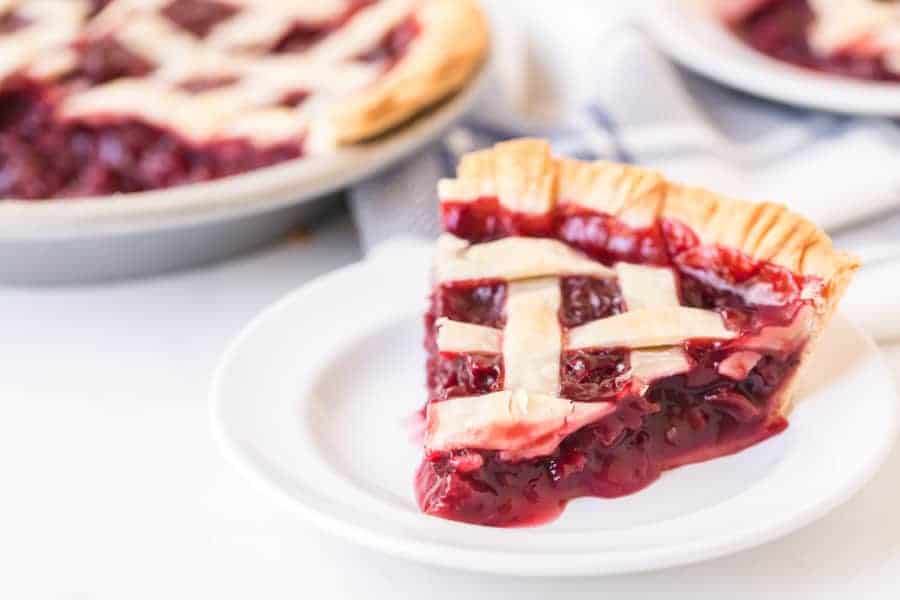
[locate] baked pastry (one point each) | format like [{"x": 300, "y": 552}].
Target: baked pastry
[
  {"x": 854, "y": 38},
  {"x": 592, "y": 325},
  {"x": 106, "y": 96}
]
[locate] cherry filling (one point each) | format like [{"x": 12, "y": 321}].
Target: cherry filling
[
  {"x": 779, "y": 29},
  {"x": 302, "y": 35},
  {"x": 586, "y": 299},
  {"x": 593, "y": 375},
  {"x": 12, "y": 21},
  {"x": 294, "y": 99},
  {"x": 105, "y": 59},
  {"x": 601, "y": 237},
  {"x": 726, "y": 401},
  {"x": 198, "y": 16},
  {"x": 484, "y": 220},
  {"x": 197, "y": 85},
  {"x": 394, "y": 44},
  {"x": 609, "y": 240},
  {"x": 458, "y": 375},
  {"x": 41, "y": 157},
  {"x": 477, "y": 302}
]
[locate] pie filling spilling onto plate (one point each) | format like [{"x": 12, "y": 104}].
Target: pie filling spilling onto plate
[
  {"x": 853, "y": 38},
  {"x": 99, "y": 97},
  {"x": 592, "y": 325}
]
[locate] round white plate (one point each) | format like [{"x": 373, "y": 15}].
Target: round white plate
[
  {"x": 690, "y": 33},
  {"x": 314, "y": 398}
]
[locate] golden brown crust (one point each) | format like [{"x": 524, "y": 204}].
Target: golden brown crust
[
  {"x": 450, "y": 48},
  {"x": 764, "y": 231}
]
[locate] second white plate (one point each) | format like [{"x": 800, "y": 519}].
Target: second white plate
[
  {"x": 691, "y": 34},
  {"x": 314, "y": 397}
]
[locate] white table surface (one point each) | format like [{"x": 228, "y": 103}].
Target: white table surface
[{"x": 112, "y": 486}]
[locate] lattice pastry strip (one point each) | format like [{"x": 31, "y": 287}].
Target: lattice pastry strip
[
  {"x": 46, "y": 25},
  {"x": 249, "y": 105},
  {"x": 532, "y": 342}
]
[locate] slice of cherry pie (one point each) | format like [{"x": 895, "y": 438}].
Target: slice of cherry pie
[
  {"x": 106, "y": 96},
  {"x": 854, "y": 38},
  {"x": 592, "y": 325}
]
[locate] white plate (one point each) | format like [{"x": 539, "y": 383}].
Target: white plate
[
  {"x": 691, "y": 34},
  {"x": 314, "y": 397}
]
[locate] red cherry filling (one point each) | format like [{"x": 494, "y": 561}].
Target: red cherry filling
[
  {"x": 294, "y": 99},
  {"x": 609, "y": 240},
  {"x": 458, "y": 375},
  {"x": 586, "y": 299},
  {"x": 593, "y": 375},
  {"x": 41, "y": 157},
  {"x": 780, "y": 29},
  {"x": 198, "y": 16},
  {"x": 682, "y": 419},
  {"x": 197, "y": 85},
  {"x": 477, "y": 302},
  {"x": 105, "y": 59},
  {"x": 12, "y": 21},
  {"x": 483, "y": 220},
  {"x": 725, "y": 401},
  {"x": 601, "y": 237},
  {"x": 394, "y": 44}
]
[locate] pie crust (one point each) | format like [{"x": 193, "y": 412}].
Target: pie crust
[
  {"x": 524, "y": 175},
  {"x": 580, "y": 309},
  {"x": 452, "y": 45}
]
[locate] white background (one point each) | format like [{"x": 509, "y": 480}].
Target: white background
[{"x": 112, "y": 486}]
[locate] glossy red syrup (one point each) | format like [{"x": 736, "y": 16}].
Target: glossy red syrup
[
  {"x": 779, "y": 28},
  {"x": 43, "y": 157},
  {"x": 602, "y": 237},
  {"x": 484, "y": 220},
  {"x": 681, "y": 419}
]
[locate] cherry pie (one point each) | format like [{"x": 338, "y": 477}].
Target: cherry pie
[
  {"x": 106, "y": 96},
  {"x": 592, "y": 325},
  {"x": 855, "y": 38}
]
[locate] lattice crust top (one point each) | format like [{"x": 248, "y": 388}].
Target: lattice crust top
[
  {"x": 346, "y": 98},
  {"x": 533, "y": 341}
]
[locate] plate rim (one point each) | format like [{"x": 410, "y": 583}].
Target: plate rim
[
  {"x": 597, "y": 562},
  {"x": 670, "y": 22}
]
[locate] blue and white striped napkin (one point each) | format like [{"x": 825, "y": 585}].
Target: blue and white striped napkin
[{"x": 837, "y": 170}]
